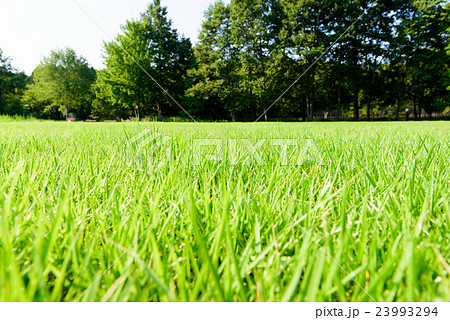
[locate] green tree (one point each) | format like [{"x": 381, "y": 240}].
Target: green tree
[
  {"x": 255, "y": 26},
  {"x": 147, "y": 61},
  {"x": 306, "y": 23},
  {"x": 216, "y": 78},
  {"x": 62, "y": 81},
  {"x": 12, "y": 86},
  {"x": 429, "y": 63},
  {"x": 236, "y": 58}
]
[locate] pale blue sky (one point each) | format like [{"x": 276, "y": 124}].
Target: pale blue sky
[{"x": 30, "y": 29}]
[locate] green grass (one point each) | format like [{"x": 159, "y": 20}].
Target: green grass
[{"x": 78, "y": 223}]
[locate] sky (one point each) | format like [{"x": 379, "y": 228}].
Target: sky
[{"x": 30, "y": 29}]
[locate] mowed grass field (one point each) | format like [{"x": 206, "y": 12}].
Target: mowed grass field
[{"x": 366, "y": 219}]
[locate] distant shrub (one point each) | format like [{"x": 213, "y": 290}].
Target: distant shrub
[{"x": 15, "y": 118}]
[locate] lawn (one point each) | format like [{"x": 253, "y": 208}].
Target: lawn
[{"x": 88, "y": 212}]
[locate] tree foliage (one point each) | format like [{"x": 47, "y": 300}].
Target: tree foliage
[
  {"x": 147, "y": 61},
  {"x": 12, "y": 86},
  {"x": 255, "y": 60},
  {"x": 355, "y": 58},
  {"x": 62, "y": 83}
]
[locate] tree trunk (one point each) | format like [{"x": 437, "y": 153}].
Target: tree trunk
[
  {"x": 397, "y": 113},
  {"x": 66, "y": 105},
  {"x": 159, "y": 106},
  {"x": 311, "y": 95},
  {"x": 265, "y": 111},
  {"x": 339, "y": 102},
  {"x": 233, "y": 115},
  {"x": 304, "y": 107},
  {"x": 356, "y": 103},
  {"x": 138, "y": 114},
  {"x": 252, "y": 106},
  {"x": 307, "y": 105},
  {"x": 368, "y": 107}
]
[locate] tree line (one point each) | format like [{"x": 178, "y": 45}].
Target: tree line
[{"x": 255, "y": 59}]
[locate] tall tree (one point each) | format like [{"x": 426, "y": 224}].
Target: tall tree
[
  {"x": 12, "y": 86},
  {"x": 216, "y": 78},
  {"x": 235, "y": 56},
  {"x": 426, "y": 61},
  {"x": 254, "y": 27},
  {"x": 63, "y": 80},
  {"x": 146, "y": 59},
  {"x": 307, "y": 24}
]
